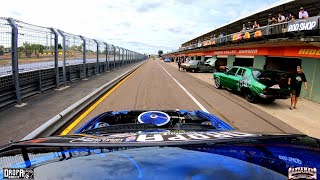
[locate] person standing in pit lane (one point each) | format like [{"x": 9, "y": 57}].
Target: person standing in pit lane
[
  {"x": 179, "y": 64},
  {"x": 295, "y": 82}
]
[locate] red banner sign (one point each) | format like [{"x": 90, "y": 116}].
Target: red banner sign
[{"x": 311, "y": 52}]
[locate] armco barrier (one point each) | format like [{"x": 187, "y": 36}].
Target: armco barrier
[{"x": 34, "y": 59}]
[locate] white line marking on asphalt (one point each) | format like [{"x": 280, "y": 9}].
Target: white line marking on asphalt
[{"x": 185, "y": 90}]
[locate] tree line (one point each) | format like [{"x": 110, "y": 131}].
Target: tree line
[{"x": 29, "y": 49}]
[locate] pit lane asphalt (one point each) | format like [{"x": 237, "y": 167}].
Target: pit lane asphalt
[{"x": 150, "y": 87}]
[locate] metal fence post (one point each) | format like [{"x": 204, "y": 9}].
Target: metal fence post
[
  {"x": 131, "y": 52},
  {"x": 134, "y": 57},
  {"x": 119, "y": 64},
  {"x": 107, "y": 60},
  {"x": 126, "y": 56},
  {"x": 84, "y": 50},
  {"x": 129, "y": 56},
  {"x": 63, "y": 57},
  {"x": 117, "y": 56},
  {"x": 98, "y": 65},
  {"x": 14, "y": 58},
  {"x": 114, "y": 56},
  {"x": 122, "y": 56},
  {"x": 56, "y": 62}
]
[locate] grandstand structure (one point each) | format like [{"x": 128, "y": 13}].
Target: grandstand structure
[{"x": 280, "y": 46}]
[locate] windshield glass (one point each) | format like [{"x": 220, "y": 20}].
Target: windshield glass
[
  {"x": 159, "y": 77},
  {"x": 256, "y": 73},
  {"x": 193, "y": 62}
]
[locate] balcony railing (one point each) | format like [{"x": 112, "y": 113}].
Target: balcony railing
[{"x": 297, "y": 28}]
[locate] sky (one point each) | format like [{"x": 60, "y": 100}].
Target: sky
[{"x": 144, "y": 26}]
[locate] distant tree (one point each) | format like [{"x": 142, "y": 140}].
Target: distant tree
[
  {"x": 59, "y": 46},
  {"x": 20, "y": 49},
  {"x": 37, "y": 49},
  {"x": 27, "y": 49},
  {"x": 1, "y": 50},
  {"x": 160, "y": 52},
  {"x": 79, "y": 48}
]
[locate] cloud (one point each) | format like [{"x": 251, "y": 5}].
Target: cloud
[
  {"x": 186, "y": 2},
  {"x": 174, "y": 30},
  {"x": 126, "y": 24},
  {"x": 15, "y": 13},
  {"x": 145, "y": 7},
  {"x": 138, "y": 25}
]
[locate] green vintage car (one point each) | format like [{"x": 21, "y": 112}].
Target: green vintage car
[{"x": 255, "y": 84}]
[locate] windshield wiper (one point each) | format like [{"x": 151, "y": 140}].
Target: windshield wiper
[
  {"x": 132, "y": 127},
  {"x": 122, "y": 128},
  {"x": 192, "y": 127}
]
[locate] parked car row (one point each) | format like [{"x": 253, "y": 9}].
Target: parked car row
[
  {"x": 167, "y": 59},
  {"x": 197, "y": 65}
]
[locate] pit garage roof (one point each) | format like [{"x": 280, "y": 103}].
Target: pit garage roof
[{"x": 261, "y": 16}]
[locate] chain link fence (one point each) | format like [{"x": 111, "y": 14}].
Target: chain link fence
[
  {"x": 5, "y": 48},
  {"x": 35, "y": 47},
  {"x": 34, "y": 59},
  {"x": 74, "y": 56},
  {"x": 102, "y": 56}
]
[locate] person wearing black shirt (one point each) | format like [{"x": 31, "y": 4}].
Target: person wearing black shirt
[
  {"x": 295, "y": 82},
  {"x": 179, "y": 64}
]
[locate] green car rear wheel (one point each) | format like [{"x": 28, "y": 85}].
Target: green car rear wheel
[{"x": 250, "y": 97}]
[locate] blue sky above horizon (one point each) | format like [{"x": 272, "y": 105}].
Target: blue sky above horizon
[{"x": 140, "y": 25}]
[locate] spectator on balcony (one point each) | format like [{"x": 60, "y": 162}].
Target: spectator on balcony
[
  {"x": 244, "y": 28},
  {"x": 281, "y": 18},
  {"x": 221, "y": 34},
  {"x": 213, "y": 36},
  {"x": 270, "y": 19},
  {"x": 255, "y": 25},
  {"x": 289, "y": 17},
  {"x": 274, "y": 20},
  {"x": 249, "y": 27},
  {"x": 303, "y": 14}
]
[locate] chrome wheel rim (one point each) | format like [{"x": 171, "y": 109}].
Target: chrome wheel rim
[
  {"x": 216, "y": 82},
  {"x": 250, "y": 96}
]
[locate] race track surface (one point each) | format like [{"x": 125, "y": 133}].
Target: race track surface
[{"x": 153, "y": 86}]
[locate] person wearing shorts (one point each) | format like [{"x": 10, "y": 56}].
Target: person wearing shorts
[{"x": 295, "y": 82}]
